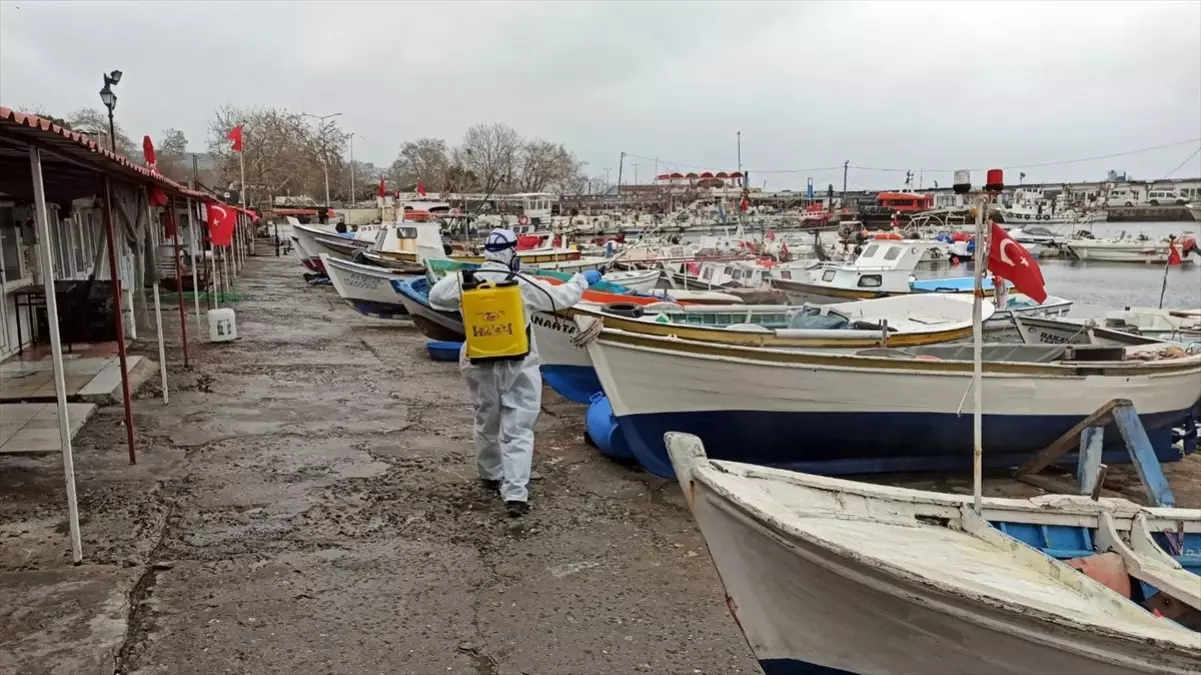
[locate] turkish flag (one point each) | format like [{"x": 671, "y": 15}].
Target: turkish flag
[
  {"x": 383, "y": 188},
  {"x": 148, "y": 151},
  {"x": 221, "y": 224},
  {"x": 1010, "y": 260},
  {"x": 421, "y": 188},
  {"x": 235, "y": 135},
  {"x": 1173, "y": 254}
]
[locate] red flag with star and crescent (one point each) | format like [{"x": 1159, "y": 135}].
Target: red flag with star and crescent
[
  {"x": 221, "y": 224},
  {"x": 1010, "y": 260},
  {"x": 235, "y": 135}
]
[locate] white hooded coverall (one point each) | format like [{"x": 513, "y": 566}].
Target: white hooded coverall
[{"x": 506, "y": 395}]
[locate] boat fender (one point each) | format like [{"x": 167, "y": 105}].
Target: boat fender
[
  {"x": 626, "y": 309},
  {"x": 1026, "y": 216}
]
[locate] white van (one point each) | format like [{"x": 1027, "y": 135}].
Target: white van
[
  {"x": 1123, "y": 197},
  {"x": 1165, "y": 197}
]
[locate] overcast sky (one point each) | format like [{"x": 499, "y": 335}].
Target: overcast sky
[{"x": 921, "y": 86}]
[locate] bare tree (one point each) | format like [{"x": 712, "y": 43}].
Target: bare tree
[
  {"x": 284, "y": 155},
  {"x": 171, "y": 155},
  {"x": 489, "y": 151},
  {"x": 94, "y": 123},
  {"x": 426, "y": 160}
]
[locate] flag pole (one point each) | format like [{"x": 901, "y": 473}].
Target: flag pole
[
  {"x": 977, "y": 357},
  {"x": 1167, "y": 266}
]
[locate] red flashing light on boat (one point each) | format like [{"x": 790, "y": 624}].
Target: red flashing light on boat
[{"x": 995, "y": 181}]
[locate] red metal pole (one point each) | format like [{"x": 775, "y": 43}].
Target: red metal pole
[
  {"x": 115, "y": 273},
  {"x": 183, "y": 312}
]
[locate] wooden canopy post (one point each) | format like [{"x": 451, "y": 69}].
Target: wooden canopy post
[
  {"x": 183, "y": 312},
  {"x": 115, "y": 275},
  {"x": 152, "y": 234}
]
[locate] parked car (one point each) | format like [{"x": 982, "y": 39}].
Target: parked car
[{"x": 1166, "y": 198}]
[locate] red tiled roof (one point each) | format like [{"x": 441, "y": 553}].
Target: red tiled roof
[{"x": 9, "y": 116}]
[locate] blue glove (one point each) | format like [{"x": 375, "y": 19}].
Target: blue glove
[{"x": 592, "y": 277}]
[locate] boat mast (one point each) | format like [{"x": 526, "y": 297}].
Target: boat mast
[{"x": 977, "y": 356}]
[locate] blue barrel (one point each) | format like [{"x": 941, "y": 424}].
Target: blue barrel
[
  {"x": 603, "y": 429},
  {"x": 443, "y": 351}
]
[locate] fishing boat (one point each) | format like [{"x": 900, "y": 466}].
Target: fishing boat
[
  {"x": 434, "y": 324},
  {"x": 438, "y": 325},
  {"x": 319, "y": 239},
  {"x": 1038, "y": 330},
  {"x": 1134, "y": 249},
  {"x": 1036, "y": 234},
  {"x": 835, "y": 413},
  {"x": 635, "y": 280},
  {"x": 1180, "y": 325},
  {"x": 832, "y": 576},
  {"x": 910, "y": 320},
  {"x": 366, "y": 288}
]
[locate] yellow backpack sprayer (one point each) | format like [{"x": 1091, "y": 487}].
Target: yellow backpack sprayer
[{"x": 493, "y": 319}]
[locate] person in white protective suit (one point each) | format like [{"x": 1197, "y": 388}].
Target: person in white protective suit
[{"x": 507, "y": 395}]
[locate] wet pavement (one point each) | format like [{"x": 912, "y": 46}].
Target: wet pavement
[{"x": 306, "y": 504}]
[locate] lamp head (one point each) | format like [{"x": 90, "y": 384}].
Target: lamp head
[
  {"x": 109, "y": 98},
  {"x": 115, "y": 77}
]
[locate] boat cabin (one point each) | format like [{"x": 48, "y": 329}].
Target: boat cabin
[
  {"x": 884, "y": 265},
  {"x": 534, "y": 207},
  {"x": 904, "y": 202}
]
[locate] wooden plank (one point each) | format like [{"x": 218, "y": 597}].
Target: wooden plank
[
  {"x": 1061, "y": 445},
  {"x": 1159, "y": 492}
]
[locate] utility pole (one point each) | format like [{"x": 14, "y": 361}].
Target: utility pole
[
  {"x": 607, "y": 183},
  {"x": 352, "y": 199},
  {"x": 740, "y": 152},
  {"x": 635, "y": 165},
  {"x": 845, "y": 165},
  {"x": 620, "y": 166}
]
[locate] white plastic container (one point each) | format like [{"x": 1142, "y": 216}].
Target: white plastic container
[{"x": 222, "y": 325}]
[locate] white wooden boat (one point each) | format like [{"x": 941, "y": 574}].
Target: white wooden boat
[
  {"x": 1181, "y": 325},
  {"x": 832, "y": 576},
  {"x": 1036, "y": 234},
  {"x": 878, "y": 410},
  {"x": 884, "y": 268},
  {"x": 433, "y": 323},
  {"x": 1139, "y": 249},
  {"x": 635, "y": 280},
  {"x": 909, "y": 320},
  {"x": 366, "y": 288},
  {"x": 319, "y": 239}
]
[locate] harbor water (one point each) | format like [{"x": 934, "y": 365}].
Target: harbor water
[{"x": 1096, "y": 287}]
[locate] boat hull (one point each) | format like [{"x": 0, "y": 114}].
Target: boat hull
[
  {"x": 809, "y": 608},
  {"x": 845, "y": 414},
  {"x": 367, "y": 289},
  {"x": 1151, "y": 253},
  {"x": 441, "y": 326}
]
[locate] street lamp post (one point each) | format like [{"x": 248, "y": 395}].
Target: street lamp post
[
  {"x": 110, "y": 102},
  {"x": 324, "y": 159}
]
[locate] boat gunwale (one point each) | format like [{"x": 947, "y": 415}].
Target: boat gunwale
[
  {"x": 781, "y": 532},
  {"x": 801, "y": 359},
  {"x": 761, "y": 339}
]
